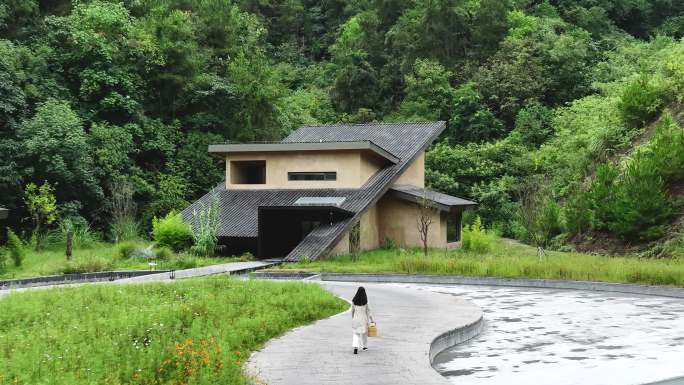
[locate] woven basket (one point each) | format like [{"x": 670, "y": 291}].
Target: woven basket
[{"x": 372, "y": 330}]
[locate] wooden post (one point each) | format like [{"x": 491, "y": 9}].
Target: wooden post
[{"x": 69, "y": 244}]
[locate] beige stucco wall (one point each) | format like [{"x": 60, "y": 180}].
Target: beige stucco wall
[
  {"x": 415, "y": 173},
  {"x": 370, "y": 229},
  {"x": 342, "y": 246},
  {"x": 398, "y": 220},
  {"x": 353, "y": 168}
]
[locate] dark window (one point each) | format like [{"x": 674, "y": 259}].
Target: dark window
[
  {"x": 248, "y": 171},
  {"x": 308, "y": 226},
  {"x": 330, "y": 175}
]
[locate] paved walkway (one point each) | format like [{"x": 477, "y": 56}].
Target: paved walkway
[
  {"x": 408, "y": 320},
  {"x": 226, "y": 268},
  {"x": 234, "y": 267}
]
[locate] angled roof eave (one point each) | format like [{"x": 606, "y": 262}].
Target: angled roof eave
[
  {"x": 364, "y": 145},
  {"x": 416, "y": 197}
]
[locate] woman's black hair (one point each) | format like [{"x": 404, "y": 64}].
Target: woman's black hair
[{"x": 360, "y": 298}]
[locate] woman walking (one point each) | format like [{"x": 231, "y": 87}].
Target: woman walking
[{"x": 360, "y": 316}]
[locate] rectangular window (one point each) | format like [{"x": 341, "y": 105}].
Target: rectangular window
[
  {"x": 248, "y": 172},
  {"x": 328, "y": 175}
]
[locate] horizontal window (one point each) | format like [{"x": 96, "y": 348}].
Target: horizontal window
[{"x": 328, "y": 175}]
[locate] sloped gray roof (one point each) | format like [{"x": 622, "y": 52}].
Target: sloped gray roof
[
  {"x": 403, "y": 140},
  {"x": 437, "y": 199},
  {"x": 239, "y": 208}
]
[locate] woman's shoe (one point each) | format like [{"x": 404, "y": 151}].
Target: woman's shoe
[
  {"x": 356, "y": 351},
  {"x": 364, "y": 349}
]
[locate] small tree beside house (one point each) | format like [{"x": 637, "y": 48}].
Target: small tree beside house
[{"x": 426, "y": 215}]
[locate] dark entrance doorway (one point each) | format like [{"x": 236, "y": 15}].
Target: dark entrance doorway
[{"x": 282, "y": 228}]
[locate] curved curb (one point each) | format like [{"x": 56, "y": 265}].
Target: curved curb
[
  {"x": 670, "y": 381},
  {"x": 454, "y": 337},
  {"x": 661, "y": 291}
]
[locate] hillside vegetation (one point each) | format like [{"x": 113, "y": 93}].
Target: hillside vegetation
[{"x": 564, "y": 118}]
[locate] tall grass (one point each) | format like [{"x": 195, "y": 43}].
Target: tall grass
[
  {"x": 511, "y": 261},
  {"x": 98, "y": 257},
  {"x": 189, "y": 332}
]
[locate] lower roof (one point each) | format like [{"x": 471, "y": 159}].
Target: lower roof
[
  {"x": 435, "y": 199},
  {"x": 239, "y": 209}
]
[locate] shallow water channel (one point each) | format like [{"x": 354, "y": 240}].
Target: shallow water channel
[{"x": 564, "y": 337}]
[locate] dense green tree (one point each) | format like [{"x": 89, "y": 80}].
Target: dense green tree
[{"x": 55, "y": 147}]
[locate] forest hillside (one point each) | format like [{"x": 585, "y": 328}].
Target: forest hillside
[{"x": 564, "y": 118}]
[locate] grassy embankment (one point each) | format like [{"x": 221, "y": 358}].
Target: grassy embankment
[
  {"x": 197, "y": 331},
  {"x": 97, "y": 257},
  {"x": 510, "y": 260}
]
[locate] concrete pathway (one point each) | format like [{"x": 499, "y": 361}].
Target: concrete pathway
[
  {"x": 408, "y": 321},
  {"x": 225, "y": 268}
]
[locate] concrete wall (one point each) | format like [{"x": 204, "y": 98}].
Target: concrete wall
[
  {"x": 342, "y": 247},
  {"x": 415, "y": 173},
  {"x": 398, "y": 220},
  {"x": 370, "y": 229},
  {"x": 353, "y": 168}
]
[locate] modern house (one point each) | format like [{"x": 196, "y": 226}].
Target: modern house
[{"x": 330, "y": 190}]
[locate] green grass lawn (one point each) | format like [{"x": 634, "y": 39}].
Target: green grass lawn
[
  {"x": 197, "y": 331},
  {"x": 96, "y": 257},
  {"x": 507, "y": 259}
]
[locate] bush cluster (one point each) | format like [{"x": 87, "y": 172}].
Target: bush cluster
[
  {"x": 16, "y": 248},
  {"x": 172, "y": 232},
  {"x": 476, "y": 238}
]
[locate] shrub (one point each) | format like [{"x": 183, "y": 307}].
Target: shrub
[
  {"x": 88, "y": 265},
  {"x": 476, "y": 238},
  {"x": 83, "y": 235},
  {"x": 126, "y": 250},
  {"x": 3, "y": 260},
  {"x": 640, "y": 101},
  {"x": 16, "y": 248},
  {"x": 642, "y": 208},
  {"x": 207, "y": 223},
  {"x": 125, "y": 229},
  {"x": 185, "y": 261},
  {"x": 163, "y": 253},
  {"x": 389, "y": 244},
  {"x": 549, "y": 222},
  {"x": 247, "y": 257},
  {"x": 172, "y": 232}
]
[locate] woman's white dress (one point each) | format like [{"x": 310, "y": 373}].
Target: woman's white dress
[{"x": 360, "y": 318}]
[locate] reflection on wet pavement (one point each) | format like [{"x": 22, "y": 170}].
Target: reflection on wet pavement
[{"x": 564, "y": 337}]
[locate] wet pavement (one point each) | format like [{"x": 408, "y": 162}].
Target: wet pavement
[{"x": 564, "y": 337}]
